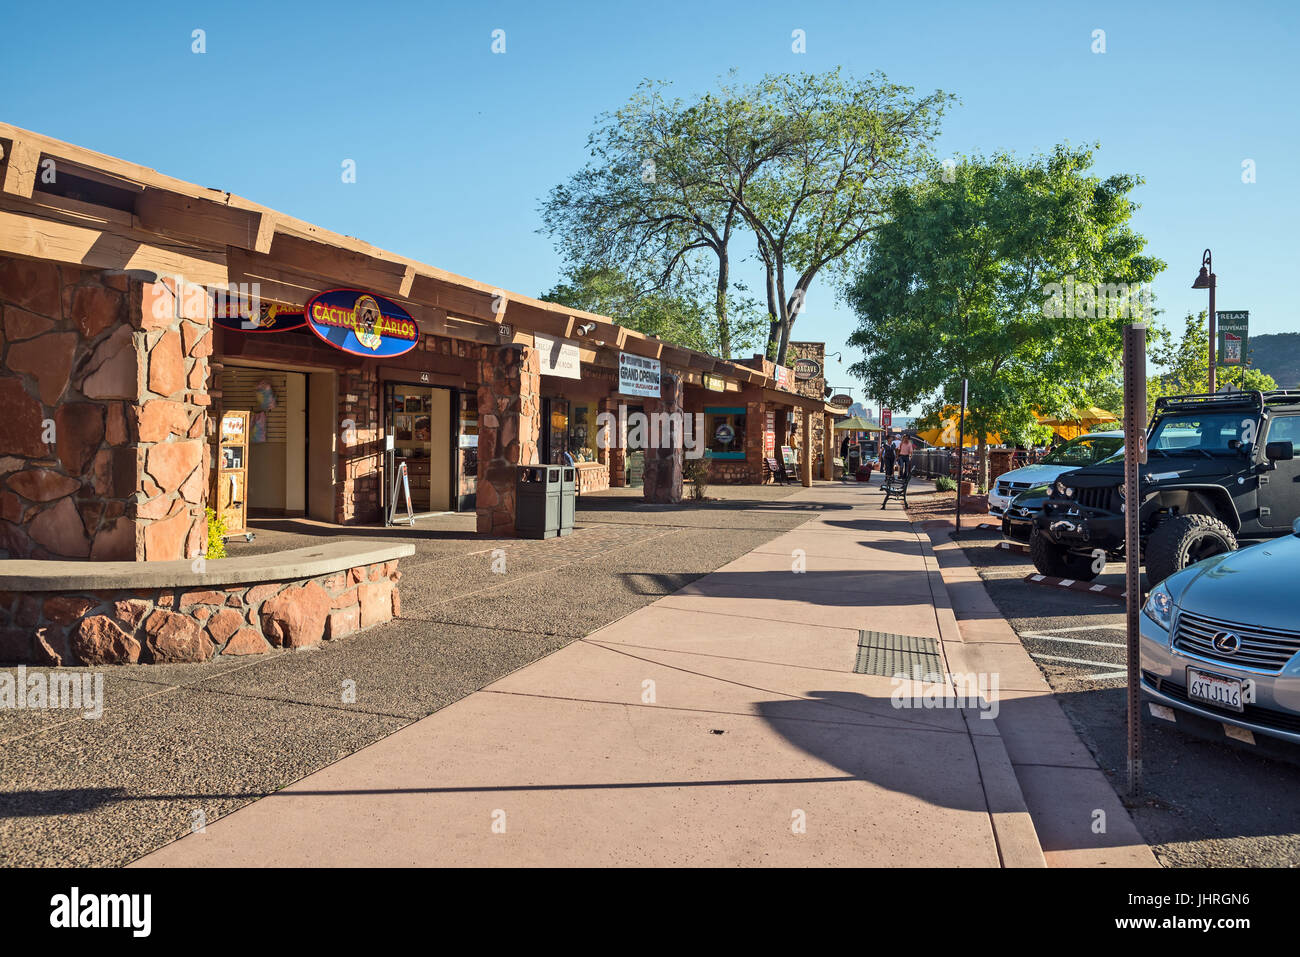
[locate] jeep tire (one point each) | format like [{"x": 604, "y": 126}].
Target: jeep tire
[
  {"x": 1057, "y": 560},
  {"x": 1182, "y": 540}
]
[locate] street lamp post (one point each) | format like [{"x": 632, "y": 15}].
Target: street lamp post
[{"x": 1206, "y": 279}]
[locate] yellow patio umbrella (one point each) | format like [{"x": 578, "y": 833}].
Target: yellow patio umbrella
[
  {"x": 945, "y": 433},
  {"x": 1071, "y": 427}
]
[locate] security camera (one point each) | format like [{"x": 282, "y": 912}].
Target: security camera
[{"x": 586, "y": 328}]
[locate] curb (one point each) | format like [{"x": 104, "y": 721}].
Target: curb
[
  {"x": 1009, "y": 814},
  {"x": 1110, "y": 591},
  {"x": 1056, "y": 775}
]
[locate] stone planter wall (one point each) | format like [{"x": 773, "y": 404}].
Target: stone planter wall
[{"x": 170, "y": 625}]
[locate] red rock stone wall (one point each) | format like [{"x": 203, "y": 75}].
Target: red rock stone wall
[
  {"x": 509, "y": 422},
  {"x": 169, "y": 423},
  {"x": 161, "y": 626},
  {"x": 67, "y": 454},
  {"x": 663, "y": 466},
  {"x": 592, "y": 477}
]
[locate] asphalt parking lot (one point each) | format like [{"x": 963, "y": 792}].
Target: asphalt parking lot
[{"x": 1209, "y": 800}]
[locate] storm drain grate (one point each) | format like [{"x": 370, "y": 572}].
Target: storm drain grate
[{"x": 882, "y": 653}]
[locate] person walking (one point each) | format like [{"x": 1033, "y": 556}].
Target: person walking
[
  {"x": 887, "y": 457},
  {"x": 905, "y": 458}
]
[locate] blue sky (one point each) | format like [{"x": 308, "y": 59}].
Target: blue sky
[{"x": 455, "y": 146}]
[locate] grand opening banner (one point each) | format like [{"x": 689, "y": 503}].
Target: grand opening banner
[{"x": 638, "y": 375}]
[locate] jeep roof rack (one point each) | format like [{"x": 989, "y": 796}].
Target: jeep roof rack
[
  {"x": 1208, "y": 400},
  {"x": 1211, "y": 400}
]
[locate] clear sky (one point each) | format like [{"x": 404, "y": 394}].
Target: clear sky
[{"x": 455, "y": 146}]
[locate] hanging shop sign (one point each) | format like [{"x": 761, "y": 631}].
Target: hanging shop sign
[
  {"x": 1234, "y": 338},
  {"x": 271, "y": 316},
  {"x": 559, "y": 356},
  {"x": 362, "y": 323},
  {"x": 784, "y": 378},
  {"x": 638, "y": 375},
  {"x": 714, "y": 383},
  {"x": 806, "y": 370},
  {"x": 841, "y": 401}
]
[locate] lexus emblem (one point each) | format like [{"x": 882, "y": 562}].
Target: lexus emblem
[{"x": 1225, "y": 642}]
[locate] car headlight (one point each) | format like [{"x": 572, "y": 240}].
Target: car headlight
[{"x": 1159, "y": 606}]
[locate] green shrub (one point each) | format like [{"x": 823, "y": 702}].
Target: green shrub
[
  {"x": 945, "y": 483},
  {"x": 696, "y": 471},
  {"x": 216, "y": 536}
]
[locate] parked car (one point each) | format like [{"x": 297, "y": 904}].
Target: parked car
[
  {"x": 1220, "y": 639},
  {"x": 1220, "y": 469},
  {"x": 1018, "y": 517},
  {"x": 1085, "y": 450}
]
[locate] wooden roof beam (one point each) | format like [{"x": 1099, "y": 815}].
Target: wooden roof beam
[
  {"x": 22, "y": 159},
  {"x": 173, "y": 214}
]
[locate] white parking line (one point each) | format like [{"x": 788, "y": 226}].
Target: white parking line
[
  {"x": 1074, "y": 661},
  {"x": 1109, "y": 674},
  {"x": 1075, "y": 641},
  {"x": 1055, "y": 631}
]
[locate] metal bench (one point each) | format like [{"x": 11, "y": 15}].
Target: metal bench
[{"x": 895, "y": 486}]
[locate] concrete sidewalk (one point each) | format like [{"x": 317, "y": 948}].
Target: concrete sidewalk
[{"x": 721, "y": 725}]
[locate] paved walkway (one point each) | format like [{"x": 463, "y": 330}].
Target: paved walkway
[{"x": 720, "y": 725}]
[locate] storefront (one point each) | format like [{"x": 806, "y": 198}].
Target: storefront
[
  {"x": 339, "y": 368},
  {"x": 331, "y": 429}
]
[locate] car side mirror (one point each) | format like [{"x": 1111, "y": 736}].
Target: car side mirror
[{"x": 1279, "y": 451}]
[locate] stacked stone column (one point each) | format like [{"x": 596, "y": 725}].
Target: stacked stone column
[
  {"x": 663, "y": 460},
  {"x": 509, "y": 415}
]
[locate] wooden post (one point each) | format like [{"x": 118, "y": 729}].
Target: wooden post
[
  {"x": 828, "y": 448},
  {"x": 805, "y": 466}
]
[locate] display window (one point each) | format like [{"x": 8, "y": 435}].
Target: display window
[{"x": 724, "y": 430}]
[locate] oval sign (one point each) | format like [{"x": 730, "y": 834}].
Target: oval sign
[
  {"x": 361, "y": 323},
  {"x": 842, "y": 401},
  {"x": 271, "y": 317},
  {"x": 805, "y": 369},
  {"x": 724, "y": 433}
]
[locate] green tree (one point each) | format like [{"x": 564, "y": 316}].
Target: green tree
[
  {"x": 1017, "y": 276},
  {"x": 681, "y": 319},
  {"x": 643, "y": 209},
  {"x": 803, "y": 162},
  {"x": 1186, "y": 365}
]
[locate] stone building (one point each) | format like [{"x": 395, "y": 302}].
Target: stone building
[{"x": 124, "y": 362}]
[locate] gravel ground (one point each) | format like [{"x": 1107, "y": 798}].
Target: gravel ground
[
  {"x": 180, "y": 745},
  {"x": 1209, "y": 801}
]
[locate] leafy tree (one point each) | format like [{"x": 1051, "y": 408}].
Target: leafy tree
[
  {"x": 678, "y": 318},
  {"x": 803, "y": 162},
  {"x": 643, "y": 208},
  {"x": 966, "y": 279},
  {"x": 1187, "y": 365}
]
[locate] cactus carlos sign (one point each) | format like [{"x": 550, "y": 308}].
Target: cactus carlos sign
[{"x": 361, "y": 323}]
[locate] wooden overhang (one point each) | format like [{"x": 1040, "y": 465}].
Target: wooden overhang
[{"x": 157, "y": 225}]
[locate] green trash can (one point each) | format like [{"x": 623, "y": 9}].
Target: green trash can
[
  {"x": 537, "y": 501},
  {"x": 568, "y": 497}
]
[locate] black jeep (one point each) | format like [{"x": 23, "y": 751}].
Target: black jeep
[{"x": 1220, "y": 468}]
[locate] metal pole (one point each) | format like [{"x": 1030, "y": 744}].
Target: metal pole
[
  {"x": 961, "y": 429},
  {"x": 1214, "y": 336},
  {"x": 1135, "y": 455}
]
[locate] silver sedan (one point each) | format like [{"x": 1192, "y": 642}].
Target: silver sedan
[{"x": 1221, "y": 639}]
